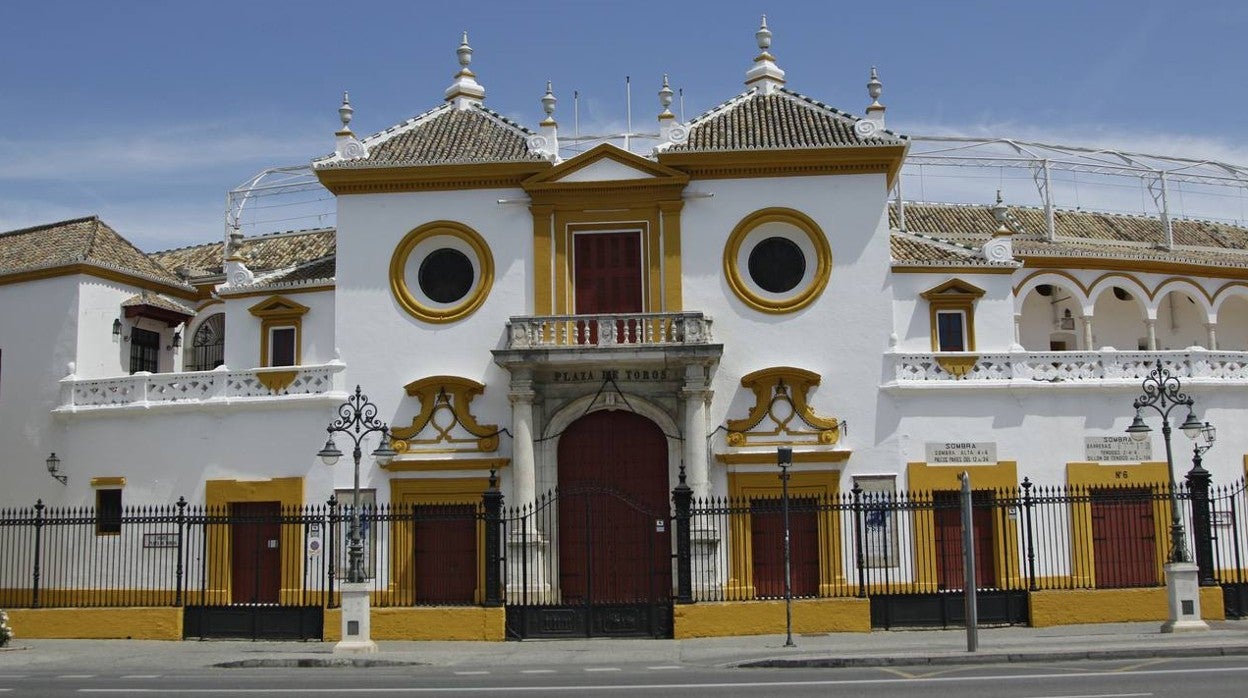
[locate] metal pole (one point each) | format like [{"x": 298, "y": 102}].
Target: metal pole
[
  {"x": 1178, "y": 542},
  {"x": 968, "y": 562},
  {"x": 784, "y": 456},
  {"x": 355, "y": 570}
]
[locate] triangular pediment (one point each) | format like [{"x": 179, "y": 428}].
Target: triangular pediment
[
  {"x": 606, "y": 163},
  {"x": 953, "y": 288}
]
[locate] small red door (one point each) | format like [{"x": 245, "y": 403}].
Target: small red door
[
  {"x": 1124, "y": 538},
  {"x": 607, "y": 280},
  {"x": 256, "y": 539},
  {"x": 949, "y": 556},
  {"x": 767, "y": 547},
  {"x": 614, "y": 539},
  {"x": 446, "y": 554}
]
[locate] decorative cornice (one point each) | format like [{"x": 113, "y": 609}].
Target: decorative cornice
[
  {"x": 445, "y": 177},
  {"x": 103, "y": 272}
]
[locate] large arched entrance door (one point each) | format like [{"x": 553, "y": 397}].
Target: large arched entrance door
[{"x": 614, "y": 524}]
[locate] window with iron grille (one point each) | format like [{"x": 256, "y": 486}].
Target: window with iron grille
[
  {"x": 208, "y": 344},
  {"x": 107, "y": 512},
  {"x": 144, "y": 350}
]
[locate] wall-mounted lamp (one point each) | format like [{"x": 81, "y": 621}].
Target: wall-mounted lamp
[
  {"x": 116, "y": 328},
  {"x": 176, "y": 342},
  {"x": 54, "y": 469}
]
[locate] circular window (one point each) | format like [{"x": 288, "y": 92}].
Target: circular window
[
  {"x": 445, "y": 275},
  {"x": 777, "y": 264},
  {"x": 441, "y": 271},
  {"x": 777, "y": 260}
]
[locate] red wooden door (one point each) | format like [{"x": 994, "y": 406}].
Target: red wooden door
[
  {"x": 255, "y": 540},
  {"x": 1124, "y": 538},
  {"x": 949, "y": 555},
  {"x": 614, "y": 543},
  {"x": 607, "y": 280},
  {"x": 446, "y": 554},
  {"x": 767, "y": 547}
]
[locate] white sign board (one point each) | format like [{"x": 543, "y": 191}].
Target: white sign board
[
  {"x": 961, "y": 452},
  {"x": 1117, "y": 449}
]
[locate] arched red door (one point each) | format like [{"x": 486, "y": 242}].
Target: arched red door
[{"x": 614, "y": 539}]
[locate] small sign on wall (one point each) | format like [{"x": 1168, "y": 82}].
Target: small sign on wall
[
  {"x": 1116, "y": 449},
  {"x": 961, "y": 452},
  {"x": 160, "y": 540}
]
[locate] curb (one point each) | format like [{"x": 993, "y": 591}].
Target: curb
[
  {"x": 997, "y": 657},
  {"x": 313, "y": 662}
]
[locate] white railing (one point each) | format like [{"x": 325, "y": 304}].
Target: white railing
[
  {"x": 608, "y": 330},
  {"x": 1019, "y": 368},
  {"x": 219, "y": 385}
]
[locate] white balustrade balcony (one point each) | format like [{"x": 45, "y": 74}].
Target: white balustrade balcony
[
  {"x": 632, "y": 330},
  {"x": 219, "y": 386},
  {"x": 1066, "y": 369}
]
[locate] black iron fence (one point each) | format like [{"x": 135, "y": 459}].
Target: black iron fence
[{"x": 720, "y": 549}]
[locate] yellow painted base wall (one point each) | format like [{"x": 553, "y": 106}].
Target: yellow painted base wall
[
  {"x": 96, "y": 623},
  {"x": 467, "y": 623},
  {"x": 1075, "y": 606},
  {"x": 767, "y": 617}
]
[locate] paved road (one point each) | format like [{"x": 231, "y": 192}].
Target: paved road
[{"x": 1221, "y": 677}]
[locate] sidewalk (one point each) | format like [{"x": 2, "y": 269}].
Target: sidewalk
[{"x": 879, "y": 648}]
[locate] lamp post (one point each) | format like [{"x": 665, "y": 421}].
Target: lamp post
[
  {"x": 784, "y": 458},
  {"x": 357, "y": 418},
  {"x": 1163, "y": 393},
  {"x": 1198, "y": 480}
]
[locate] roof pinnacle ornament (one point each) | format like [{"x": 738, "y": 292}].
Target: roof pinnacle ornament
[
  {"x": 346, "y": 145},
  {"x": 465, "y": 91},
  {"x": 665, "y": 100},
  {"x": 875, "y": 110},
  {"x": 548, "y": 105},
  {"x": 765, "y": 75},
  {"x": 1000, "y": 247},
  {"x": 345, "y": 113},
  {"x": 546, "y": 142}
]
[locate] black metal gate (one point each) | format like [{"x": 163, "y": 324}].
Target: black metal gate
[{"x": 588, "y": 562}]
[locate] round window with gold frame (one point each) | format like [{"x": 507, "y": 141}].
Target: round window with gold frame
[
  {"x": 441, "y": 271},
  {"x": 777, "y": 260}
]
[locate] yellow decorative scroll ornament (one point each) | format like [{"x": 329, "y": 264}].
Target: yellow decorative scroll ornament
[
  {"x": 444, "y": 405},
  {"x": 780, "y": 396}
]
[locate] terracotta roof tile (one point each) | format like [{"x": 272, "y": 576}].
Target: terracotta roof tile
[
  {"x": 909, "y": 248},
  {"x": 782, "y": 120},
  {"x": 78, "y": 241},
  {"x": 157, "y": 300},
  {"x": 260, "y": 254}
]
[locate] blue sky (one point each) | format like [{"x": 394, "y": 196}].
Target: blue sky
[{"x": 147, "y": 113}]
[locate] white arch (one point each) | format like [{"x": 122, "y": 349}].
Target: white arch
[
  {"x": 1226, "y": 293},
  {"x": 1139, "y": 294},
  {"x": 1194, "y": 291},
  {"x": 1051, "y": 279}
]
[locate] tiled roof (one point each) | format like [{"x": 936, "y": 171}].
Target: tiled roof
[
  {"x": 320, "y": 270},
  {"x": 79, "y": 241},
  {"x": 157, "y": 300},
  {"x": 911, "y": 248},
  {"x": 445, "y": 136},
  {"x": 260, "y": 254},
  {"x": 1083, "y": 234},
  {"x": 782, "y": 120}
]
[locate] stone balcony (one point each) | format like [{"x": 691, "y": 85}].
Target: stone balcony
[
  {"x": 1061, "y": 369},
  {"x": 638, "y": 338},
  {"x": 197, "y": 389}
]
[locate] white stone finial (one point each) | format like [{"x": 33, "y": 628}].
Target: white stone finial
[
  {"x": 1000, "y": 247},
  {"x": 665, "y": 100},
  {"x": 548, "y": 104},
  {"x": 999, "y": 212},
  {"x": 465, "y": 91},
  {"x": 345, "y": 112},
  {"x": 875, "y": 110},
  {"x": 765, "y": 74}
]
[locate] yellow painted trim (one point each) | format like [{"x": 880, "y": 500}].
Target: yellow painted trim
[
  {"x": 411, "y": 464},
  {"x": 1087, "y": 475},
  {"x": 218, "y": 495},
  {"x": 1050, "y": 272},
  {"x": 954, "y": 294},
  {"x": 902, "y": 268},
  {"x": 1079, "y": 606},
  {"x": 466, "y": 623},
  {"x": 446, "y": 392},
  {"x": 276, "y": 312},
  {"x": 100, "y": 273},
  {"x": 1128, "y": 279},
  {"x": 112, "y": 482},
  {"x": 398, "y": 272},
  {"x": 96, "y": 623},
  {"x": 543, "y": 248},
  {"x": 408, "y": 492},
  {"x": 669, "y": 212},
  {"x": 736, "y": 277},
  {"x": 923, "y": 480},
  {"x": 795, "y": 384},
  {"x": 285, "y": 291},
  {"x": 653, "y": 172},
  {"x": 810, "y": 616},
  {"x": 822, "y": 484},
  {"x": 1138, "y": 266},
  {"x": 957, "y": 366},
  {"x": 884, "y": 160},
  {"x": 387, "y": 180},
  {"x": 769, "y": 458},
  {"x": 277, "y": 380},
  {"x": 1180, "y": 283}
]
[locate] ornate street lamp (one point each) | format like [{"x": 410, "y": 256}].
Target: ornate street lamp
[
  {"x": 1163, "y": 393},
  {"x": 784, "y": 459},
  {"x": 357, "y": 418}
]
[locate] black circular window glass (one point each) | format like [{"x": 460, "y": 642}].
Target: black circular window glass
[
  {"x": 777, "y": 265},
  {"x": 445, "y": 275}
]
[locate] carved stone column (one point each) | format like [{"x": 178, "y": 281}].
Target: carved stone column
[
  {"x": 523, "y": 462},
  {"x": 1152, "y": 334},
  {"x": 697, "y": 395},
  {"x": 1212, "y": 331}
]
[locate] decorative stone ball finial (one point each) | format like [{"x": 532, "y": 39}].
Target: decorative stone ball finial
[
  {"x": 763, "y": 35},
  {"x": 874, "y": 87},
  {"x": 345, "y": 112},
  {"x": 549, "y": 101},
  {"x": 464, "y": 52}
]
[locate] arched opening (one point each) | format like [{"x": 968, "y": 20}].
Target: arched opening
[
  {"x": 1232, "y": 329},
  {"x": 1050, "y": 319},
  {"x": 1118, "y": 319},
  {"x": 206, "y": 349},
  {"x": 1180, "y": 321}
]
